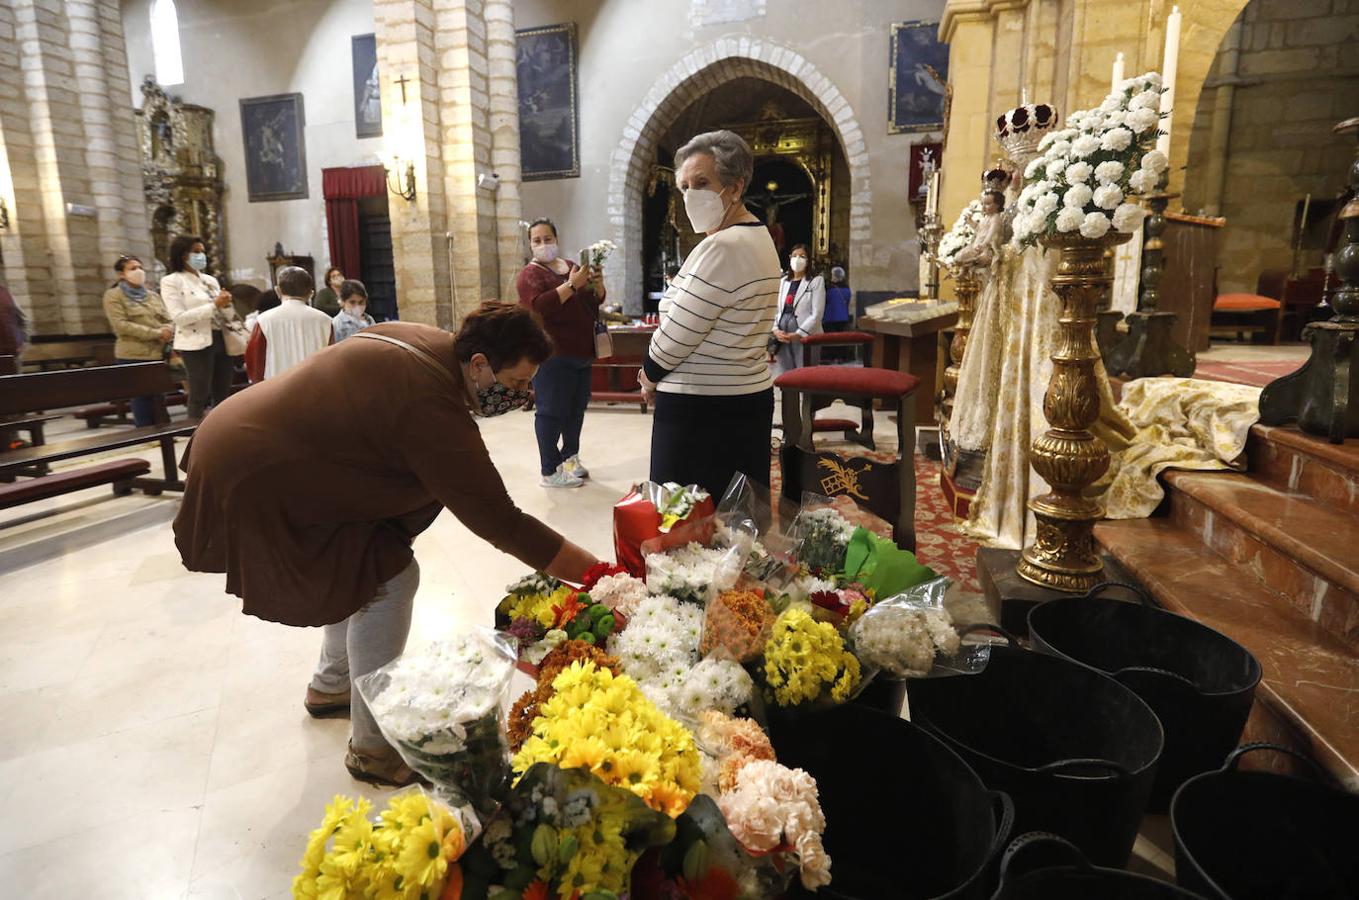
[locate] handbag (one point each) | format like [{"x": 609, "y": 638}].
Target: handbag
[
  {"x": 603, "y": 340},
  {"x": 235, "y": 338}
]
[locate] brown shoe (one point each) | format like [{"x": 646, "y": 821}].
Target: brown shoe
[
  {"x": 325, "y": 706},
  {"x": 385, "y": 768}
]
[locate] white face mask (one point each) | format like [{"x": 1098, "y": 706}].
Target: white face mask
[
  {"x": 137, "y": 277},
  {"x": 798, "y": 264},
  {"x": 705, "y": 208},
  {"x": 355, "y": 312},
  {"x": 545, "y": 252}
]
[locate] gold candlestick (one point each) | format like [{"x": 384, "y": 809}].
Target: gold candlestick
[{"x": 1068, "y": 456}]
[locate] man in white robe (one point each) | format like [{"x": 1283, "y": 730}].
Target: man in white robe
[{"x": 290, "y": 332}]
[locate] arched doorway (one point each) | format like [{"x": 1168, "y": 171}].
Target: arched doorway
[
  {"x": 633, "y": 175},
  {"x": 800, "y": 188}
]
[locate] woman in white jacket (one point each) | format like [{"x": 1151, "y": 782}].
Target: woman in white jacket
[
  {"x": 802, "y": 303},
  {"x": 197, "y": 304}
]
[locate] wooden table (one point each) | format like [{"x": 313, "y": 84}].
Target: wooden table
[{"x": 906, "y": 339}]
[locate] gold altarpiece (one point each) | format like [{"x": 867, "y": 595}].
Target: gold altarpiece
[{"x": 181, "y": 174}]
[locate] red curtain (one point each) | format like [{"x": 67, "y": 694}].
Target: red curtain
[{"x": 342, "y": 189}]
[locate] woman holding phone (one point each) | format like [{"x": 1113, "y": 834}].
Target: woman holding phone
[{"x": 197, "y": 305}]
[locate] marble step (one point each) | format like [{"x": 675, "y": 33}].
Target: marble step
[
  {"x": 1311, "y": 679},
  {"x": 1300, "y": 463},
  {"x": 1289, "y": 542}
]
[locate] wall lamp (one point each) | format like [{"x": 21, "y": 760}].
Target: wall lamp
[{"x": 406, "y": 190}]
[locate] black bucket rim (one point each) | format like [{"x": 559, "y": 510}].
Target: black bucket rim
[
  {"x": 1004, "y": 816},
  {"x": 1078, "y": 862},
  {"x": 1228, "y": 768},
  {"x": 1145, "y": 604},
  {"x": 1123, "y": 772}
]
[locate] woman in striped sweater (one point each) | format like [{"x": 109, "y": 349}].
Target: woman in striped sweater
[{"x": 707, "y": 365}]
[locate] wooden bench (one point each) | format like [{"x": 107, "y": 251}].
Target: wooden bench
[
  {"x": 116, "y": 412},
  {"x": 34, "y": 425},
  {"x": 74, "y": 387}
]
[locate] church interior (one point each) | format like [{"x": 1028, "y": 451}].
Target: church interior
[{"x": 1044, "y": 338}]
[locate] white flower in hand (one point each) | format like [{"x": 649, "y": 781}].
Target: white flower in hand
[
  {"x": 1079, "y": 172},
  {"x": 1096, "y": 225},
  {"x": 1127, "y": 217},
  {"x": 1077, "y": 196},
  {"x": 1070, "y": 219},
  {"x": 1155, "y": 162},
  {"x": 1116, "y": 139},
  {"x": 1109, "y": 172},
  {"x": 1108, "y": 196}
]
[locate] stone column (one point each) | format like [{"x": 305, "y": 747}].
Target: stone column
[
  {"x": 410, "y": 115},
  {"x": 504, "y": 127},
  {"x": 67, "y": 127}
]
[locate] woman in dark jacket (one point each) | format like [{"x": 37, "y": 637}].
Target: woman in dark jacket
[{"x": 567, "y": 297}]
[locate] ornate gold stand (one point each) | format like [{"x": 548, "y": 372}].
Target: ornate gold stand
[
  {"x": 966, "y": 286},
  {"x": 1068, "y": 456}
]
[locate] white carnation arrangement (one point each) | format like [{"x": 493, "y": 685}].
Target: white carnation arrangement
[
  {"x": 1088, "y": 175},
  {"x": 904, "y": 638},
  {"x": 621, "y": 593},
  {"x": 961, "y": 235}
]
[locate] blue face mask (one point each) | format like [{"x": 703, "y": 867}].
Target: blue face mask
[{"x": 199, "y": 261}]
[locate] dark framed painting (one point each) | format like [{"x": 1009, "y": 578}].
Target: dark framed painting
[
  {"x": 367, "y": 96},
  {"x": 917, "y": 92},
  {"x": 275, "y": 148},
  {"x": 549, "y": 123}
]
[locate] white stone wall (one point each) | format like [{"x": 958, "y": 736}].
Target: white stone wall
[
  {"x": 235, "y": 49},
  {"x": 633, "y": 55}
]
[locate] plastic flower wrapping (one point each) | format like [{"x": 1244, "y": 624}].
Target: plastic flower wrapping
[
  {"x": 407, "y": 851},
  {"x": 604, "y": 723},
  {"x": 1089, "y": 174},
  {"x": 807, "y": 661},
  {"x": 960, "y": 236},
  {"x": 822, "y": 537},
  {"x": 532, "y": 598},
  {"x": 439, "y": 706},
  {"x": 562, "y": 833}
]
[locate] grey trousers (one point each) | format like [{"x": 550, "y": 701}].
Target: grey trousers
[{"x": 367, "y": 640}]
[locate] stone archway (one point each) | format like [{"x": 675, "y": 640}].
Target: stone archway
[{"x": 686, "y": 81}]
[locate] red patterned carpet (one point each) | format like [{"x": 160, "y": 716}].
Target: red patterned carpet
[
  {"x": 938, "y": 543},
  {"x": 1257, "y": 374}
]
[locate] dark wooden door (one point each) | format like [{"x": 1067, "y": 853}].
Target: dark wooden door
[{"x": 378, "y": 273}]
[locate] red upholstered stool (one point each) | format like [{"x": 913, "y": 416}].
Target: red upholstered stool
[
  {"x": 860, "y": 346},
  {"x": 1258, "y": 312},
  {"x": 812, "y": 345},
  {"x": 886, "y": 489}
]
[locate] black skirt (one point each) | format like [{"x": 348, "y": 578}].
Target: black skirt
[{"x": 705, "y": 440}]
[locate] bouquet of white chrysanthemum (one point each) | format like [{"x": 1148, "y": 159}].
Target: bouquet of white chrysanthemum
[
  {"x": 597, "y": 252},
  {"x": 1088, "y": 174},
  {"x": 961, "y": 235}
]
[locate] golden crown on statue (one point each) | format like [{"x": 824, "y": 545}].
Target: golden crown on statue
[{"x": 1019, "y": 130}]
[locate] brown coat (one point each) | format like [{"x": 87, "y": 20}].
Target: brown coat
[{"x": 307, "y": 489}]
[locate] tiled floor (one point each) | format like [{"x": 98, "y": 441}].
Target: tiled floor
[{"x": 152, "y": 739}]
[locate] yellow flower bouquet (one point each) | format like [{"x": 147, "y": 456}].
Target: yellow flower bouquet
[
  {"x": 807, "y": 661},
  {"x": 603, "y": 722},
  {"x": 408, "y": 852}
]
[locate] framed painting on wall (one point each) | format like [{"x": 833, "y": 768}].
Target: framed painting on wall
[
  {"x": 917, "y": 88},
  {"x": 275, "y": 148},
  {"x": 367, "y": 100},
  {"x": 549, "y": 124}
]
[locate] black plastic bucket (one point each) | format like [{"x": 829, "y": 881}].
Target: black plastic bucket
[
  {"x": 1075, "y": 750},
  {"x": 906, "y": 819},
  {"x": 1199, "y": 682},
  {"x": 1041, "y": 866},
  {"x": 1262, "y": 836}
]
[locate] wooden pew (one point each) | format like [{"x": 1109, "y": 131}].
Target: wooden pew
[{"x": 21, "y": 394}]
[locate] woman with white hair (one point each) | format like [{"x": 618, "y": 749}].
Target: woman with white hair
[{"x": 707, "y": 364}]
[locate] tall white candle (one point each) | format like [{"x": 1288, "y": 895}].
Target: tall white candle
[
  {"x": 1117, "y": 78},
  {"x": 932, "y": 199},
  {"x": 1170, "y": 63}
]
